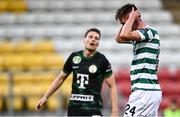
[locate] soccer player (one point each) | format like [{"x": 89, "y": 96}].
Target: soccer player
[
  {"x": 90, "y": 68},
  {"x": 146, "y": 93}
]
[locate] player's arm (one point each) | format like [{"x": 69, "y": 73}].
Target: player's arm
[
  {"x": 113, "y": 94},
  {"x": 117, "y": 37},
  {"x": 58, "y": 81},
  {"x": 126, "y": 33}
]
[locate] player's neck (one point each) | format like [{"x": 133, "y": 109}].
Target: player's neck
[
  {"x": 88, "y": 53},
  {"x": 141, "y": 24}
]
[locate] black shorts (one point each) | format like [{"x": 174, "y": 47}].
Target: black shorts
[{"x": 79, "y": 112}]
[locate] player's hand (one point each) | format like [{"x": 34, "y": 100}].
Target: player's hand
[
  {"x": 40, "y": 103},
  {"x": 134, "y": 14}
]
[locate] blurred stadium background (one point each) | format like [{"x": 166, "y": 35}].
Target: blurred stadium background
[{"x": 36, "y": 36}]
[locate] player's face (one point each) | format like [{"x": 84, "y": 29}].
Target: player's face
[{"x": 92, "y": 41}]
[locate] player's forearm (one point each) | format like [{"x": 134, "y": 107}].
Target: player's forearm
[
  {"x": 117, "y": 37},
  {"x": 127, "y": 28},
  {"x": 55, "y": 85},
  {"x": 114, "y": 98}
]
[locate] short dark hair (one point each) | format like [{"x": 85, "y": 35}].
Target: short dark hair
[
  {"x": 94, "y": 30},
  {"x": 124, "y": 10}
]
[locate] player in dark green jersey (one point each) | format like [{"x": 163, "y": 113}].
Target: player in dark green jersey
[{"x": 90, "y": 68}]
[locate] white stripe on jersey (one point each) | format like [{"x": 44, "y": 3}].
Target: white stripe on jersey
[
  {"x": 143, "y": 65},
  {"x": 150, "y": 34},
  {"x": 148, "y": 45},
  {"x": 146, "y": 86},
  {"x": 145, "y": 55},
  {"x": 141, "y": 35},
  {"x": 156, "y": 36},
  {"x": 143, "y": 75}
]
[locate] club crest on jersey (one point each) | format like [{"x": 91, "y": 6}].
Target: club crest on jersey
[
  {"x": 76, "y": 59},
  {"x": 92, "y": 69}
]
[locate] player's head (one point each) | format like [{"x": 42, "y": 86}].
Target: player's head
[
  {"x": 122, "y": 14},
  {"x": 92, "y": 38}
]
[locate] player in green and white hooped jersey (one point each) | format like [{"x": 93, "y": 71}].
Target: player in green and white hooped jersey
[
  {"x": 146, "y": 92},
  {"x": 90, "y": 68}
]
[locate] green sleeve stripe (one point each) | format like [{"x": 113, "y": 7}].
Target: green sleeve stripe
[{"x": 108, "y": 75}]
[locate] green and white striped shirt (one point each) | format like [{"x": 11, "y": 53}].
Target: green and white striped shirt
[{"x": 145, "y": 61}]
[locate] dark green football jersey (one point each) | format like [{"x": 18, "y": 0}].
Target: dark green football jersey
[{"x": 88, "y": 76}]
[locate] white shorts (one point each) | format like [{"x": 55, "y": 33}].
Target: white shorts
[{"x": 143, "y": 104}]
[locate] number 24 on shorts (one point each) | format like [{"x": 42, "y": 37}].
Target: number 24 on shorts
[{"x": 130, "y": 109}]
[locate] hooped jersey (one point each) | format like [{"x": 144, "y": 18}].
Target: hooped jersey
[
  {"x": 88, "y": 76},
  {"x": 145, "y": 61}
]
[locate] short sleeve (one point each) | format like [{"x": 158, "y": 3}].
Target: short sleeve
[
  {"x": 106, "y": 68},
  {"x": 68, "y": 65},
  {"x": 145, "y": 34}
]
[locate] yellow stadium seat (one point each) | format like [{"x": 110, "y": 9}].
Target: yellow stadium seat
[
  {"x": 53, "y": 61},
  {"x": 3, "y": 6},
  {"x": 33, "y": 62},
  {"x": 23, "y": 77},
  {"x": 1, "y": 102},
  {"x": 17, "y": 6},
  {"x": 32, "y": 101},
  {"x": 13, "y": 62},
  {"x": 4, "y": 78},
  {"x": 17, "y": 103},
  {"x": 54, "y": 103},
  {"x": 18, "y": 90},
  {"x": 24, "y": 46},
  {"x": 44, "y": 46},
  {"x": 44, "y": 77},
  {"x": 1, "y": 62},
  {"x": 6, "y": 47}
]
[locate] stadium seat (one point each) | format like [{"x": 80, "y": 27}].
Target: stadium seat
[
  {"x": 3, "y": 6},
  {"x": 44, "y": 46},
  {"x": 122, "y": 75},
  {"x": 124, "y": 88},
  {"x": 18, "y": 103},
  {"x": 17, "y": 6},
  {"x": 34, "y": 62},
  {"x": 4, "y": 104},
  {"x": 20, "y": 77},
  {"x": 54, "y": 103},
  {"x": 177, "y": 75},
  {"x": 6, "y": 47},
  {"x": 164, "y": 74},
  {"x": 7, "y": 19},
  {"x": 25, "y": 46},
  {"x": 31, "y": 102},
  {"x": 4, "y": 83},
  {"x": 164, "y": 103},
  {"x": 1, "y": 103},
  {"x": 53, "y": 61},
  {"x": 13, "y": 62},
  {"x": 1, "y": 62}
]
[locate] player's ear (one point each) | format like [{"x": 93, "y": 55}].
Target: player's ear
[{"x": 84, "y": 40}]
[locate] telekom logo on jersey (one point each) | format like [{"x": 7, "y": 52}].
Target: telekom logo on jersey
[{"x": 82, "y": 79}]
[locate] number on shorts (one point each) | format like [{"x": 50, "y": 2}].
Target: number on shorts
[{"x": 131, "y": 110}]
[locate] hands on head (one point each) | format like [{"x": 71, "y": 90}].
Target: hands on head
[{"x": 134, "y": 14}]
